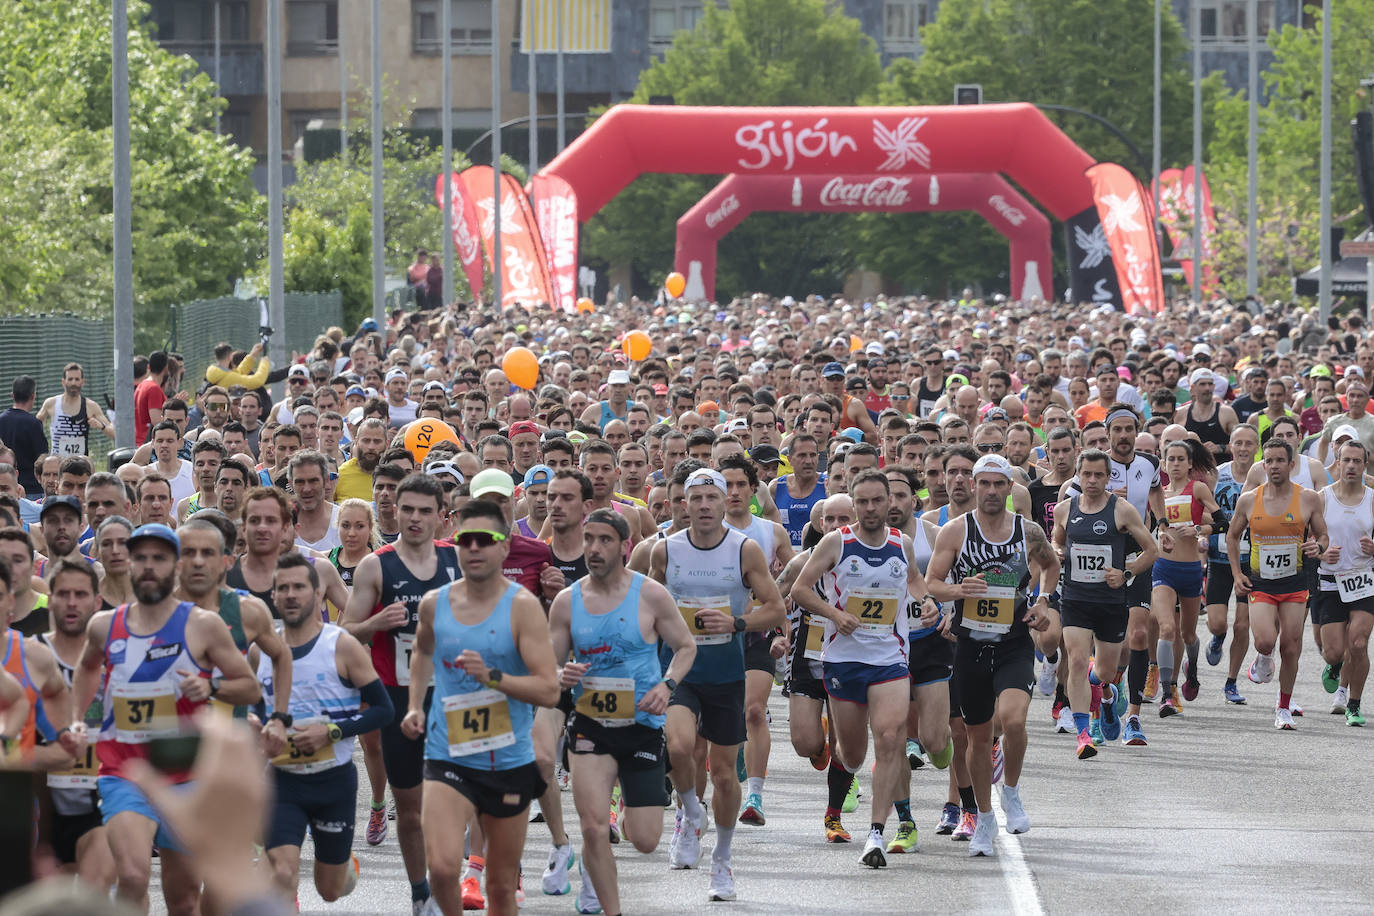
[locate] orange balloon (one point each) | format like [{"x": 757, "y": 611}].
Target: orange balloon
[
  {"x": 585, "y": 305},
  {"x": 855, "y": 344},
  {"x": 521, "y": 367},
  {"x": 422, "y": 435},
  {"x": 637, "y": 345},
  {"x": 675, "y": 283}
]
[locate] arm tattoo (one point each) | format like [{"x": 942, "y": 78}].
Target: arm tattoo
[{"x": 1037, "y": 547}]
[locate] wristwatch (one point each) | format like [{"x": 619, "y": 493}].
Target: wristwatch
[
  {"x": 285, "y": 718},
  {"x": 670, "y": 684},
  {"x": 215, "y": 684},
  {"x": 740, "y": 625},
  {"x": 335, "y": 733},
  {"x": 493, "y": 677}
]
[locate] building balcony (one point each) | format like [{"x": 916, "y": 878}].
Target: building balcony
[{"x": 240, "y": 63}]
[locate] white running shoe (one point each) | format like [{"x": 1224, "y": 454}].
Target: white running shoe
[
  {"x": 1283, "y": 719},
  {"x": 722, "y": 886},
  {"x": 688, "y": 851},
  {"x": 587, "y": 901},
  {"x": 1262, "y": 669},
  {"x": 676, "y": 838},
  {"x": 1065, "y": 724},
  {"x": 873, "y": 855},
  {"x": 984, "y": 835},
  {"x": 1049, "y": 674},
  {"x": 556, "y": 882},
  {"x": 536, "y": 812},
  {"x": 1017, "y": 819},
  {"x": 1339, "y": 700}
]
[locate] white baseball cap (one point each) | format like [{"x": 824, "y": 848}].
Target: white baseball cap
[
  {"x": 1344, "y": 431},
  {"x": 992, "y": 464},
  {"x": 618, "y": 377},
  {"x": 705, "y": 477},
  {"x": 397, "y": 373}
]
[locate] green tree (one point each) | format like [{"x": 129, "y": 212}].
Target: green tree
[
  {"x": 751, "y": 52},
  {"x": 197, "y": 220},
  {"x": 1093, "y": 55},
  {"x": 328, "y": 218},
  {"x": 1290, "y": 151}
]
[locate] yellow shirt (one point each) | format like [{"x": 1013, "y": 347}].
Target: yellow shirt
[{"x": 353, "y": 482}]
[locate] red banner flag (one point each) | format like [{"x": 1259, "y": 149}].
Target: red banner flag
[
  {"x": 1129, "y": 227},
  {"x": 1169, "y": 210},
  {"x": 555, "y": 211},
  {"x": 465, "y": 240},
  {"x": 1209, "y": 228},
  {"x": 524, "y": 269}
]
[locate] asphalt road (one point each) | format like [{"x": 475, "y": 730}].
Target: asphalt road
[{"x": 1220, "y": 813}]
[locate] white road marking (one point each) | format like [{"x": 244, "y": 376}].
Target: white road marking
[{"x": 1025, "y": 896}]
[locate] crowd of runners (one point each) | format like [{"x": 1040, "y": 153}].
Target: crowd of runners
[{"x": 573, "y": 596}]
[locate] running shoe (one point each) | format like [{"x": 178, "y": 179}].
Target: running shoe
[
  {"x": 1109, "y": 721},
  {"x": 1086, "y": 747},
  {"x": 1339, "y": 701},
  {"x": 587, "y": 901},
  {"x": 1214, "y": 650},
  {"x": 1049, "y": 674},
  {"x": 676, "y": 837},
  {"x": 834, "y": 830},
  {"x": 873, "y": 855},
  {"x": 1283, "y": 719},
  {"x": 968, "y": 823},
  {"x": 1151, "y": 683},
  {"x": 1119, "y": 700},
  {"x": 722, "y": 886},
  {"x": 1017, "y": 820},
  {"x": 999, "y": 762},
  {"x": 391, "y": 810},
  {"x": 472, "y": 894},
  {"x": 377, "y": 826},
  {"x": 427, "y": 907},
  {"x": 1131, "y": 733},
  {"x": 564, "y": 781},
  {"x": 1171, "y": 705},
  {"x": 520, "y": 888},
  {"x": 1354, "y": 718},
  {"x": 617, "y": 809},
  {"x": 1190, "y": 681},
  {"x": 1057, "y": 710},
  {"x": 906, "y": 839},
  {"x": 741, "y": 773},
  {"x": 942, "y": 759},
  {"x": 1232, "y": 694},
  {"x": 851, "y": 799},
  {"x": 984, "y": 835},
  {"x": 1294, "y": 708},
  {"x": 1262, "y": 669},
  {"x": 555, "y": 880},
  {"x": 949, "y": 819},
  {"x": 1330, "y": 679},
  {"x": 688, "y": 851},
  {"x": 352, "y": 878},
  {"x": 1065, "y": 724},
  {"x": 753, "y": 811},
  {"x": 536, "y": 812},
  {"x": 914, "y": 758},
  {"x": 1095, "y": 731},
  {"x": 821, "y": 761}
]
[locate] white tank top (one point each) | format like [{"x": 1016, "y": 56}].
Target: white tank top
[
  {"x": 761, "y": 532},
  {"x": 70, "y": 431},
  {"x": 318, "y": 695},
  {"x": 331, "y": 535},
  {"x": 694, "y": 573},
  {"x": 870, "y": 583},
  {"x": 1302, "y": 474},
  {"x": 921, "y": 548},
  {"x": 1345, "y": 525}
]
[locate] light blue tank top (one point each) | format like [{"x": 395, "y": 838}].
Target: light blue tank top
[
  {"x": 614, "y": 647},
  {"x": 470, "y": 724}
]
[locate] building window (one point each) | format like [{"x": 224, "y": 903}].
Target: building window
[
  {"x": 902, "y": 23},
  {"x": 238, "y": 125},
  {"x": 470, "y": 22},
  {"x": 312, "y": 27},
  {"x": 668, "y": 17},
  {"x": 1227, "y": 21},
  {"x": 301, "y": 121},
  {"x": 192, "y": 21}
]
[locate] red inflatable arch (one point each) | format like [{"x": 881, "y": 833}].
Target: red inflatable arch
[
  {"x": 991, "y": 195},
  {"x": 1014, "y": 139}
]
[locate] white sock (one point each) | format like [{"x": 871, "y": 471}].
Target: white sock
[
  {"x": 692, "y": 805},
  {"x": 723, "y": 837},
  {"x": 756, "y": 785}
]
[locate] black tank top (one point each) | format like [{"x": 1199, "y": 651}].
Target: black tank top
[
  {"x": 1086, "y": 536},
  {"x": 926, "y": 398},
  {"x": 234, "y": 579},
  {"x": 400, "y": 584},
  {"x": 1208, "y": 430},
  {"x": 573, "y": 569},
  {"x": 1044, "y": 497}
]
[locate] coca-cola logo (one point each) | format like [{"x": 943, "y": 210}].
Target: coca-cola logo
[
  {"x": 767, "y": 141},
  {"x": 727, "y": 206},
  {"x": 1014, "y": 215},
  {"x": 879, "y": 192}
]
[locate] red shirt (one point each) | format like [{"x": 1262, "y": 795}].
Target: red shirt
[
  {"x": 526, "y": 560},
  {"x": 148, "y": 397}
]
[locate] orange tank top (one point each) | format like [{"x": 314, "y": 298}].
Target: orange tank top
[
  {"x": 1276, "y": 540},
  {"x": 17, "y": 665}
]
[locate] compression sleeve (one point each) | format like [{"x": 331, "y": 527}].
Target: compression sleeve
[{"x": 379, "y": 711}]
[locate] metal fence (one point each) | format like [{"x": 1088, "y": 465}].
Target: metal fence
[
  {"x": 40, "y": 345},
  {"x": 198, "y": 326}
]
